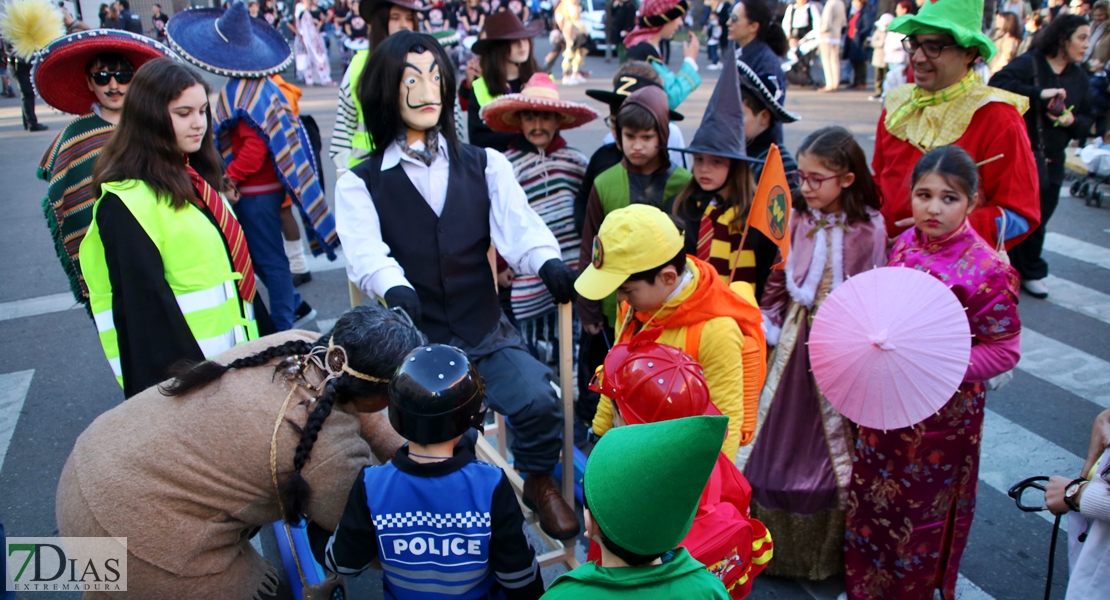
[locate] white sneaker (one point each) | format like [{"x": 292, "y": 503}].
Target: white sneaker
[
  {"x": 570, "y": 81},
  {"x": 716, "y": 67},
  {"x": 1035, "y": 288},
  {"x": 580, "y": 79}
]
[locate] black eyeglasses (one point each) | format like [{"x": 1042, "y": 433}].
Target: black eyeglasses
[
  {"x": 931, "y": 49},
  {"x": 103, "y": 77}
]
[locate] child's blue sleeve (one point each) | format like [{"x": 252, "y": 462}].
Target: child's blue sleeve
[
  {"x": 1015, "y": 225},
  {"x": 677, "y": 85}
]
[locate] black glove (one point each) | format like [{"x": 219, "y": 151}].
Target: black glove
[
  {"x": 404, "y": 297},
  {"x": 559, "y": 279}
]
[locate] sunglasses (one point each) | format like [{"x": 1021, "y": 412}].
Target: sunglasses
[
  {"x": 931, "y": 49},
  {"x": 103, "y": 77}
]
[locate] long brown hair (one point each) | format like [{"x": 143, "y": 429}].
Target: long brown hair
[
  {"x": 144, "y": 144},
  {"x": 838, "y": 151},
  {"x": 379, "y": 23},
  {"x": 738, "y": 192},
  {"x": 493, "y": 65}
]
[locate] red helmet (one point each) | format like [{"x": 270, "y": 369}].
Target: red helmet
[{"x": 652, "y": 382}]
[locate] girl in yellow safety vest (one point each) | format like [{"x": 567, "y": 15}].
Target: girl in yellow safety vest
[{"x": 166, "y": 262}]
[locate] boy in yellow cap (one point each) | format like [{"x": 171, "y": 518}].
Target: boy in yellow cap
[
  {"x": 642, "y": 486},
  {"x": 638, "y": 253}
]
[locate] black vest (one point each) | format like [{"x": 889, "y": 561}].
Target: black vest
[{"x": 444, "y": 257}]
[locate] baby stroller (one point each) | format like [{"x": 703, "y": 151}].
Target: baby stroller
[
  {"x": 1096, "y": 157},
  {"x": 799, "y": 61}
]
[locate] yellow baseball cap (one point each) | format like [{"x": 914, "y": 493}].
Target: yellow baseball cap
[{"x": 633, "y": 239}]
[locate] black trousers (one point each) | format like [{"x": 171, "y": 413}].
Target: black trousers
[
  {"x": 591, "y": 353},
  {"x": 1026, "y": 256},
  {"x": 23, "y": 74}
]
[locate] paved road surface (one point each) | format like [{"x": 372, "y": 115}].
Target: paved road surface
[{"x": 54, "y": 380}]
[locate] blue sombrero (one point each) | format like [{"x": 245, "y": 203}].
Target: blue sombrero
[{"x": 229, "y": 43}]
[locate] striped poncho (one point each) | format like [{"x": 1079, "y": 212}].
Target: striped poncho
[
  {"x": 550, "y": 179},
  {"x": 67, "y": 167},
  {"x": 263, "y": 105}
]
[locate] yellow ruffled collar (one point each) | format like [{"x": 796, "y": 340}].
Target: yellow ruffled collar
[{"x": 932, "y": 119}]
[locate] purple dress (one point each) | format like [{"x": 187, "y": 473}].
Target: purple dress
[
  {"x": 912, "y": 496},
  {"x": 801, "y": 458}
]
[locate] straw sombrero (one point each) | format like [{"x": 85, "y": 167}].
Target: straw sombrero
[
  {"x": 229, "y": 43},
  {"x": 539, "y": 94},
  {"x": 59, "y": 71}
]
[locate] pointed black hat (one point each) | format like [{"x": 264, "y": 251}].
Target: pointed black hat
[{"x": 722, "y": 130}]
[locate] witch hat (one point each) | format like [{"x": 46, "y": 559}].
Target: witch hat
[{"x": 721, "y": 132}]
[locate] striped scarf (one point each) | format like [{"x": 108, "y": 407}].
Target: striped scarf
[
  {"x": 550, "y": 180},
  {"x": 261, "y": 103},
  {"x": 68, "y": 168}
]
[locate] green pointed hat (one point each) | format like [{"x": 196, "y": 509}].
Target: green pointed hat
[
  {"x": 643, "y": 482},
  {"x": 962, "y": 19}
]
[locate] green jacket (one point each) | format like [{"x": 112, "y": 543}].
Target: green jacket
[
  {"x": 614, "y": 193},
  {"x": 197, "y": 268},
  {"x": 679, "y": 577},
  {"x": 361, "y": 144}
]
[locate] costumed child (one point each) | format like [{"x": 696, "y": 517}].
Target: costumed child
[
  {"x": 658, "y": 20},
  {"x": 166, "y": 263},
  {"x": 764, "y": 112},
  {"x": 106, "y": 59},
  {"x": 716, "y": 202},
  {"x": 255, "y": 130},
  {"x": 801, "y": 461},
  {"x": 651, "y": 382},
  {"x": 467, "y": 537},
  {"x": 350, "y": 143},
  {"x": 906, "y": 540},
  {"x": 550, "y": 172},
  {"x": 274, "y": 429},
  {"x": 417, "y": 220},
  {"x": 638, "y": 254},
  {"x": 507, "y": 62},
  {"x": 644, "y": 176},
  {"x": 642, "y": 487}
]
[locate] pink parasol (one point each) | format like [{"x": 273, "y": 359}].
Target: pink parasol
[{"x": 889, "y": 347}]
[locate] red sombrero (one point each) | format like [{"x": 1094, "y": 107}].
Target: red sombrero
[
  {"x": 59, "y": 72},
  {"x": 539, "y": 94}
]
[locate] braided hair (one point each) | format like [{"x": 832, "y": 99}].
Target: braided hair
[{"x": 375, "y": 340}]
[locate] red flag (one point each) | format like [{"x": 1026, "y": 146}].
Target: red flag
[{"x": 770, "y": 211}]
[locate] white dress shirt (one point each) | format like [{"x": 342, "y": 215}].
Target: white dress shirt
[{"x": 519, "y": 234}]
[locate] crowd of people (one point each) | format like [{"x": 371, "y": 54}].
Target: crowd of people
[{"x": 695, "y": 270}]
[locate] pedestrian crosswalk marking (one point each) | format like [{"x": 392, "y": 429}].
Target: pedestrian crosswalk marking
[
  {"x": 1072, "y": 296},
  {"x": 13, "y": 393},
  {"x": 1077, "y": 249},
  {"x": 967, "y": 590},
  {"x": 42, "y": 305},
  {"x": 1065, "y": 367},
  {"x": 1010, "y": 453}
]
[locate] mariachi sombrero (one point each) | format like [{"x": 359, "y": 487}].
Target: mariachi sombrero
[
  {"x": 539, "y": 94},
  {"x": 59, "y": 72},
  {"x": 229, "y": 43},
  {"x": 769, "y": 89}
]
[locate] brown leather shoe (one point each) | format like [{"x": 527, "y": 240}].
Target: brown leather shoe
[{"x": 557, "y": 519}]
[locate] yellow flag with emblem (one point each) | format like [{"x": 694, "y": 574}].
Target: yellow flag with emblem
[{"x": 770, "y": 211}]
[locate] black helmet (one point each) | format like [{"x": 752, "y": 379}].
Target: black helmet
[{"x": 436, "y": 395}]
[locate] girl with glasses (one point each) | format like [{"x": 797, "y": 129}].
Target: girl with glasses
[{"x": 800, "y": 486}]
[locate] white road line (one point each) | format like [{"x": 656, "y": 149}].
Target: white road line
[
  {"x": 967, "y": 590},
  {"x": 13, "y": 393},
  {"x": 1083, "y": 300},
  {"x": 1077, "y": 249},
  {"x": 1065, "y": 367},
  {"x": 321, "y": 263},
  {"x": 42, "y": 305},
  {"x": 1010, "y": 453},
  {"x": 325, "y": 325}
]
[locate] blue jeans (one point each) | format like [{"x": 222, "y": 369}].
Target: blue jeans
[
  {"x": 260, "y": 217},
  {"x": 711, "y": 51}
]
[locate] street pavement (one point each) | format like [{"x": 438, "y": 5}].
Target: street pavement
[{"x": 54, "y": 380}]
